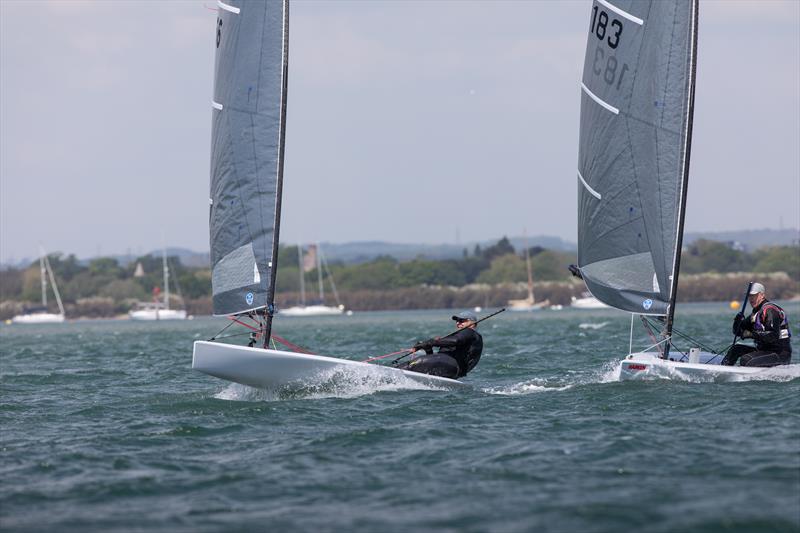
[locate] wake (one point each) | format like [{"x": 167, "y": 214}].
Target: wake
[{"x": 340, "y": 382}]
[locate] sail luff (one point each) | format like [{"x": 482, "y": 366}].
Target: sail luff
[{"x": 687, "y": 149}]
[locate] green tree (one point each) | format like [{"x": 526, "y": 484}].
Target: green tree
[
  {"x": 380, "y": 274},
  {"x": 502, "y": 247},
  {"x": 712, "y": 256},
  {"x": 550, "y": 265},
  {"x": 506, "y": 268},
  {"x": 64, "y": 268},
  {"x": 105, "y": 266},
  {"x": 779, "y": 259},
  {"x": 422, "y": 271},
  {"x": 122, "y": 289}
]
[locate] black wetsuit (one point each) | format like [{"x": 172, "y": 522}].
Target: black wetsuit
[
  {"x": 768, "y": 325},
  {"x": 458, "y": 354}
]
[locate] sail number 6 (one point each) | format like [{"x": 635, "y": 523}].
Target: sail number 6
[{"x": 600, "y": 27}]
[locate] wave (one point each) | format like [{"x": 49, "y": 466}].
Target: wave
[
  {"x": 526, "y": 387},
  {"x": 592, "y": 325}
]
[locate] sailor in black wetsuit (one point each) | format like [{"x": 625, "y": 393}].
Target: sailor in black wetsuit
[
  {"x": 768, "y": 326},
  {"x": 458, "y": 352}
]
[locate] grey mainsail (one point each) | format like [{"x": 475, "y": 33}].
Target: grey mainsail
[
  {"x": 637, "y": 98},
  {"x": 247, "y": 145}
]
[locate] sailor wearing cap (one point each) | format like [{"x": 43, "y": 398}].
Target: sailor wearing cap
[
  {"x": 768, "y": 326},
  {"x": 458, "y": 352}
]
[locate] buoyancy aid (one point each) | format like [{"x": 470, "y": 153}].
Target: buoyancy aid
[{"x": 761, "y": 316}]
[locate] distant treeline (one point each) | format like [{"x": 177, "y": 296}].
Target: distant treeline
[{"x": 485, "y": 277}]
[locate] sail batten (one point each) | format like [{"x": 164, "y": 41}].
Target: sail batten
[
  {"x": 249, "y": 105},
  {"x": 636, "y": 106}
]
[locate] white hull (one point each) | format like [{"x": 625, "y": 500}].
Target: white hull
[
  {"x": 587, "y": 303},
  {"x": 647, "y": 365},
  {"x": 38, "y": 318},
  {"x": 158, "y": 314},
  {"x": 274, "y": 369},
  {"x": 524, "y": 308},
  {"x": 311, "y": 310},
  {"x": 526, "y": 305}
]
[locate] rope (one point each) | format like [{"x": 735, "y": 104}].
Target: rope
[
  {"x": 389, "y": 355},
  {"x": 696, "y": 342},
  {"x": 291, "y": 346},
  {"x": 220, "y": 331}
]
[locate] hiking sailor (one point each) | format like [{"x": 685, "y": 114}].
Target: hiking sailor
[
  {"x": 768, "y": 326},
  {"x": 458, "y": 352}
]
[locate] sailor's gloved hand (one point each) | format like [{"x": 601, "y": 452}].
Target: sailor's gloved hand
[
  {"x": 424, "y": 345},
  {"x": 746, "y": 334},
  {"x": 737, "y": 324}
]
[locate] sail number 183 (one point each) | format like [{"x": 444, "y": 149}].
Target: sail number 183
[
  {"x": 610, "y": 32},
  {"x": 600, "y": 27}
]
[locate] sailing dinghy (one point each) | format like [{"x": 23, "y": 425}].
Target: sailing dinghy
[
  {"x": 41, "y": 315},
  {"x": 529, "y": 303},
  {"x": 317, "y": 309},
  {"x": 637, "y": 101},
  {"x": 247, "y": 152},
  {"x": 156, "y": 310}
]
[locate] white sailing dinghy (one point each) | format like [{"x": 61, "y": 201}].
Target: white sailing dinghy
[
  {"x": 529, "y": 303},
  {"x": 318, "y": 309},
  {"x": 248, "y": 134},
  {"x": 637, "y": 101},
  {"x": 41, "y": 315},
  {"x": 157, "y": 310}
]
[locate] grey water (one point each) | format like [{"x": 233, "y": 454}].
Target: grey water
[{"x": 105, "y": 427}]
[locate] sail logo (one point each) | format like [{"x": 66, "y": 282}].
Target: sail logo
[
  {"x": 647, "y": 304},
  {"x": 249, "y": 298}
]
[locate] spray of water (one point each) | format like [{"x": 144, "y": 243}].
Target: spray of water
[{"x": 340, "y": 382}]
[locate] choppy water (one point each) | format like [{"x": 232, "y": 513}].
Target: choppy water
[{"x": 105, "y": 427}]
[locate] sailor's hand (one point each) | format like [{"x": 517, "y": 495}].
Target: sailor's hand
[
  {"x": 746, "y": 334},
  {"x": 422, "y": 345},
  {"x": 737, "y": 323}
]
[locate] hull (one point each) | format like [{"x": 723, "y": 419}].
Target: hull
[
  {"x": 587, "y": 303},
  {"x": 274, "y": 369},
  {"x": 311, "y": 310},
  {"x": 155, "y": 314},
  {"x": 526, "y": 305},
  {"x": 38, "y": 318},
  {"x": 647, "y": 365}
]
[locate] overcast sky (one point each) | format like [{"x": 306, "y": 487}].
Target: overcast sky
[{"x": 407, "y": 121}]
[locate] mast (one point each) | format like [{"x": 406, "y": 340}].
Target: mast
[
  {"x": 302, "y": 275},
  {"x": 685, "y": 185},
  {"x": 166, "y": 279},
  {"x": 44, "y": 278},
  {"x": 528, "y": 265},
  {"x": 270, "y": 310},
  {"x": 53, "y": 283},
  {"x": 319, "y": 274}
]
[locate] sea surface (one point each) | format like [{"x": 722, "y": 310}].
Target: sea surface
[{"x": 105, "y": 427}]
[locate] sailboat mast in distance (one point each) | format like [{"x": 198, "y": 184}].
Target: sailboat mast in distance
[
  {"x": 637, "y": 97},
  {"x": 43, "y": 272},
  {"x": 247, "y": 149}
]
